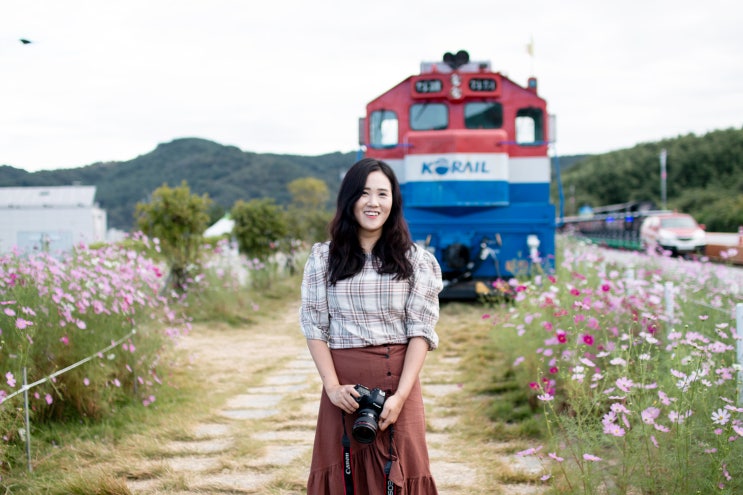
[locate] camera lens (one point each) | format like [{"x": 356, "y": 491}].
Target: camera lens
[{"x": 365, "y": 428}]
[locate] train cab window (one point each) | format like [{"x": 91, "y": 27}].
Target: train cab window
[
  {"x": 529, "y": 126},
  {"x": 429, "y": 117},
  {"x": 483, "y": 115},
  {"x": 383, "y": 129}
]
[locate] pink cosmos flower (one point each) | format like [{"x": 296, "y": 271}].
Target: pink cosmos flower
[
  {"x": 591, "y": 457},
  {"x": 720, "y": 417},
  {"x": 10, "y": 379},
  {"x": 624, "y": 384},
  {"x": 21, "y": 324},
  {"x": 588, "y": 339},
  {"x": 650, "y": 414},
  {"x": 614, "y": 430},
  {"x": 530, "y": 451}
]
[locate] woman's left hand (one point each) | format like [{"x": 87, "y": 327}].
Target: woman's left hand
[{"x": 390, "y": 411}]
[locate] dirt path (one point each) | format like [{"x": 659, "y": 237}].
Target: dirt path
[{"x": 257, "y": 437}]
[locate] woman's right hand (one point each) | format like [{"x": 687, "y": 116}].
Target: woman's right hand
[{"x": 344, "y": 397}]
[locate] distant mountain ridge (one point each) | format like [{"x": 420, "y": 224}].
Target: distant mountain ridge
[
  {"x": 705, "y": 176},
  {"x": 225, "y": 173}
]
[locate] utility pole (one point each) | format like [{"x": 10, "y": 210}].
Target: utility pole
[{"x": 663, "y": 156}]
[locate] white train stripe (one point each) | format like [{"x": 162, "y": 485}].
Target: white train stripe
[{"x": 521, "y": 170}]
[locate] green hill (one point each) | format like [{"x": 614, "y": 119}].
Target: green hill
[
  {"x": 225, "y": 173},
  {"x": 704, "y": 178}
]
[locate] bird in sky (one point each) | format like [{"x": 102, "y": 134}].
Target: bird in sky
[{"x": 25, "y": 41}]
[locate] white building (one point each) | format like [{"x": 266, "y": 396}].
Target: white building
[{"x": 54, "y": 218}]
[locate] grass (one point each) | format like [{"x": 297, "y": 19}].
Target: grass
[{"x": 67, "y": 457}]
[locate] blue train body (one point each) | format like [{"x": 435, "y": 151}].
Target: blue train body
[{"x": 470, "y": 148}]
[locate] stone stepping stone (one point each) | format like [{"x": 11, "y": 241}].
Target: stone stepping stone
[
  {"x": 199, "y": 447},
  {"x": 193, "y": 463},
  {"x": 211, "y": 430}
]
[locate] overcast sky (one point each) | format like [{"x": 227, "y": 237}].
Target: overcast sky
[{"x": 105, "y": 80}]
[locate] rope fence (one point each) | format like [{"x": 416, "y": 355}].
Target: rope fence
[{"x": 28, "y": 386}]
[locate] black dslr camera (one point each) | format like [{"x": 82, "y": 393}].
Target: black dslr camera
[{"x": 371, "y": 403}]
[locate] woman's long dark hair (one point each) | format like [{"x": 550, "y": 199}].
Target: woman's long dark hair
[{"x": 390, "y": 252}]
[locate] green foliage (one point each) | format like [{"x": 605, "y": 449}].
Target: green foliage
[
  {"x": 723, "y": 214},
  {"x": 308, "y": 215},
  {"x": 259, "y": 225},
  {"x": 309, "y": 192},
  {"x": 704, "y": 177},
  {"x": 178, "y": 219}
]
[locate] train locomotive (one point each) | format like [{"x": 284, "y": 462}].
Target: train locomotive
[{"x": 470, "y": 149}]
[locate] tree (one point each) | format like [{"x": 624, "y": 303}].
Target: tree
[
  {"x": 308, "y": 215},
  {"x": 259, "y": 225},
  {"x": 178, "y": 219},
  {"x": 309, "y": 193}
]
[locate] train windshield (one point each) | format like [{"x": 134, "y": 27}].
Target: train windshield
[
  {"x": 483, "y": 115},
  {"x": 429, "y": 117}
]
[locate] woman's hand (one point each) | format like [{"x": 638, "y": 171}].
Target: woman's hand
[
  {"x": 391, "y": 411},
  {"x": 344, "y": 397}
]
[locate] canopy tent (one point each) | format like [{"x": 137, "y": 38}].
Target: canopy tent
[{"x": 222, "y": 226}]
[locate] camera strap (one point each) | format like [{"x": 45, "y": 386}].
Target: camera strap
[
  {"x": 390, "y": 487},
  {"x": 346, "y": 442},
  {"x": 347, "y": 473}
]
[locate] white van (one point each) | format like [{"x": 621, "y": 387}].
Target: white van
[{"x": 678, "y": 233}]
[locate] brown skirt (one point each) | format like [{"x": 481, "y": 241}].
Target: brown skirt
[{"x": 373, "y": 367}]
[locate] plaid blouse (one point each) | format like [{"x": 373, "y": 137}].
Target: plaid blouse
[{"x": 370, "y": 308}]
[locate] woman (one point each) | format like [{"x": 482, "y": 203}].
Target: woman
[{"x": 369, "y": 311}]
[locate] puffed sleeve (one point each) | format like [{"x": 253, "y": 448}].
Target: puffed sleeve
[
  {"x": 314, "y": 318},
  {"x": 422, "y": 308}
]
